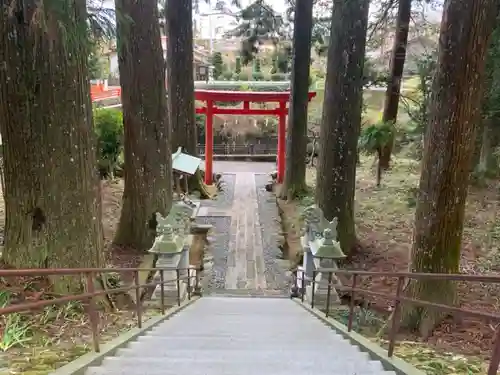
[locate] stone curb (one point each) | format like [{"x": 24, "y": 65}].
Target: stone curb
[
  {"x": 81, "y": 364},
  {"x": 376, "y": 352}
]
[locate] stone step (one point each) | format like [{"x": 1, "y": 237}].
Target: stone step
[
  {"x": 219, "y": 335},
  {"x": 241, "y": 336},
  {"x": 167, "y": 345},
  {"x": 135, "y": 365},
  {"x": 242, "y": 356},
  {"x": 273, "y": 293},
  {"x": 166, "y": 370}
]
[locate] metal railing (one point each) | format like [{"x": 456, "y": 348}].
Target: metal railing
[
  {"x": 398, "y": 298},
  {"x": 89, "y": 296},
  {"x": 255, "y": 149}
]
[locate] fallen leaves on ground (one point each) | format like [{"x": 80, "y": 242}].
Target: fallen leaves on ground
[{"x": 384, "y": 222}]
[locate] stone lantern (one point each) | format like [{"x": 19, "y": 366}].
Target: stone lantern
[{"x": 321, "y": 250}]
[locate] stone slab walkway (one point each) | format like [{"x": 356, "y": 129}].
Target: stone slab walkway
[
  {"x": 249, "y": 261},
  {"x": 245, "y": 261}
]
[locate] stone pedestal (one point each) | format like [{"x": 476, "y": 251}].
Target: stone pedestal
[
  {"x": 183, "y": 264},
  {"x": 300, "y": 279},
  {"x": 170, "y": 261},
  {"x": 308, "y": 259},
  {"x": 194, "y": 281},
  {"x": 321, "y": 285}
]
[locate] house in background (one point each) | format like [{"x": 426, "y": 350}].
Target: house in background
[{"x": 201, "y": 61}]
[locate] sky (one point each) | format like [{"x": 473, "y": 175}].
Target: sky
[{"x": 277, "y": 5}]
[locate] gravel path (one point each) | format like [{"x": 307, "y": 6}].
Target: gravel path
[
  {"x": 270, "y": 228},
  {"x": 215, "y": 275}
]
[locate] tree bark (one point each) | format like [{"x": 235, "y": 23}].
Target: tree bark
[
  {"x": 393, "y": 91},
  {"x": 296, "y": 148},
  {"x": 449, "y": 145},
  {"x": 341, "y": 120},
  {"x": 52, "y": 192},
  {"x": 148, "y": 158},
  {"x": 180, "y": 80}
]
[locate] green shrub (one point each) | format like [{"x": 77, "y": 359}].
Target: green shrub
[
  {"x": 237, "y": 69},
  {"x": 218, "y": 65},
  {"x": 274, "y": 63},
  {"x": 108, "y": 125},
  {"x": 376, "y": 136},
  {"x": 243, "y": 76},
  {"x": 278, "y": 77},
  {"x": 256, "y": 66},
  {"x": 227, "y": 75},
  {"x": 258, "y": 76},
  {"x": 248, "y": 86}
]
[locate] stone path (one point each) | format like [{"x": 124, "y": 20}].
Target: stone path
[{"x": 245, "y": 253}]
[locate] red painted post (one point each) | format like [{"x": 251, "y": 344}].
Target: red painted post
[
  {"x": 209, "y": 142},
  {"x": 281, "y": 141}
]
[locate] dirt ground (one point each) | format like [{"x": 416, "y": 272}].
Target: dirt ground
[
  {"x": 384, "y": 222},
  {"x": 119, "y": 257}
]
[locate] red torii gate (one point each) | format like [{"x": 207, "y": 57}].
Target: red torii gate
[{"x": 210, "y": 97}]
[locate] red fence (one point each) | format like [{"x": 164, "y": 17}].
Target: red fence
[
  {"x": 89, "y": 297},
  {"x": 97, "y": 95}
]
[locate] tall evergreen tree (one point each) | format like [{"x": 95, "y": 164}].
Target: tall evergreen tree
[
  {"x": 148, "y": 164},
  {"x": 296, "y": 148},
  {"x": 52, "y": 194},
  {"x": 341, "y": 120},
  {"x": 392, "y": 94},
  {"x": 449, "y": 143},
  {"x": 180, "y": 79}
]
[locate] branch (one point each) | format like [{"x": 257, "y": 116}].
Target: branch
[{"x": 382, "y": 19}]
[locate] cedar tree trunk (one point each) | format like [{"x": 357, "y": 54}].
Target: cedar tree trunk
[
  {"x": 148, "y": 159},
  {"x": 393, "y": 91},
  {"x": 296, "y": 148},
  {"x": 449, "y": 145},
  {"x": 180, "y": 80},
  {"x": 341, "y": 121},
  {"x": 52, "y": 192}
]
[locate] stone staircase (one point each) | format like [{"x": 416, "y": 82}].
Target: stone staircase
[
  {"x": 249, "y": 293},
  {"x": 240, "y": 336}
]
